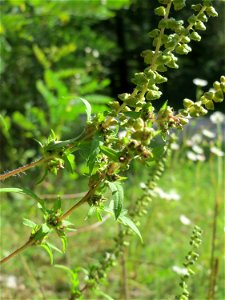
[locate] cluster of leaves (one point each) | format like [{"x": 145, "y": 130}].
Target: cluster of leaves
[{"x": 132, "y": 130}]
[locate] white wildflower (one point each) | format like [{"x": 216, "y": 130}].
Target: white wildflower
[
  {"x": 200, "y": 157},
  {"x": 179, "y": 270},
  {"x": 191, "y": 155},
  {"x": 197, "y": 149},
  {"x": 196, "y": 138},
  {"x": 11, "y": 282},
  {"x": 142, "y": 185},
  {"x": 216, "y": 151},
  {"x": 95, "y": 53},
  {"x": 200, "y": 82},
  {"x": 184, "y": 220},
  {"x": 209, "y": 134},
  {"x": 217, "y": 117},
  {"x": 175, "y": 146},
  {"x": 87, "y": 50},
  {"x": 170, "y": 196}
]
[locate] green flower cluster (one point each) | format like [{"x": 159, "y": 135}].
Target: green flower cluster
[
  {"x": 215, "y": 95},
  {"x": 190, "y": 260}
]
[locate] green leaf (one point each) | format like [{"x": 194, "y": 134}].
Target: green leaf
[
  {"x": 132, "y": 114},
  {"x": 54, "y": 247},
  {"x": 68, "y": 270},
  {"x": 21, "y": 191},
  {"x": 128, "y": 222},
  {"x": 64, "y": 243},
  {"x": 57, "y": 204},
  {"x": 49, "y": 251},
  {"x": 88, "y": 108},
  {"x": 112, "y": 154},
  {"x": 117, "y": 196},
  {"x": 68, "y": 162},
  {"x": 28, "y": 223}
]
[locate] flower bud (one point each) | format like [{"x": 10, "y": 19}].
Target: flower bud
[
  {"x": 187, "y": 103},
  {"x": 218, "y": 97},
  {"x": 209, "y": 105},
  {"x": 195, "y": 36},
  {"x": 202, "y": 17},
  {"x": 196, "y": 7},
  {"x": 138, "y": 124},
  {"x": 140, "y": 79},
  {"x": 211, "y": 12},
  {"x": 222, "y": 79},
  {"x": 124, "y": 96},
  {"x": 154, "y": 33},
  {"x": 199, "y": 25},
  {"x": 160, "y": 79},
  {"x": 209, "y": 95},
  {"x": 153, "y": 95},
  {"x": 160, "y": 11}
]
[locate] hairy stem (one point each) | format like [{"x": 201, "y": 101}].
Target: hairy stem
[{"x": 23, "y": 168}]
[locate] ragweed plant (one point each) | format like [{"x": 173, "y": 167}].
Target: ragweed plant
[{"x": 108, "y": 153}]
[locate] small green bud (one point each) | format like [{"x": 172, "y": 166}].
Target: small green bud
[
  {"x": 195, "y": 36},
  {"x": 185, "y": 39},
  {"x": 199, "y": 25},
  {"x": 216, "y": 85},
  {"x": 202, "y": 17},
  {"x": 139, "y": 79},
  {"x": 209, "y": 95},
  {"x": 183, "y": 121},
  {"x": 149, "y": 73},
  {"x": 211, "y": 12},
  {"x": 178, "y": 4},
  {"x": 161, "y": 68},
  {"x": 222, "y": 87},
  {"x": 222, "y": 79},
  {"x": 172, "y": 65},
  {"x": 153, "y": 95},
  {"x": 187, "y": 103},
  {"x": 138, "y": 124},
  {"x": 196, "y": 7},
  {"x": 209, "y": 105},
  {"x": 183, "y": 49},
  {"x": 192, "y": 19},
  {"x": 160, "y": 79},
  {"x": 124, "y": 96},
  {"x": 154, "y": 33},
  {"x": 148, "y": 55},
  {"x": 203, "y": 111},
  {"x": 218, "y": 97},
  {"x": 160, "y": 11}
]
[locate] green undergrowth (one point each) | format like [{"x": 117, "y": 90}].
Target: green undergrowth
[{"x": 150, "y": 273}]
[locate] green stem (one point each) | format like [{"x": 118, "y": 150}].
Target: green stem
[{"x": 86, "y": 197}]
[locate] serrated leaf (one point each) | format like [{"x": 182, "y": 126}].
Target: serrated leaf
[
  {"x": 117, "y": 196},
  {"x": 28, "y": 223},
  {"x": 49, "y": 251},
  {"x": 88, "y": 108},
  {"x": 128, "y": 222},
  {"x": 112, "y": 154}
]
